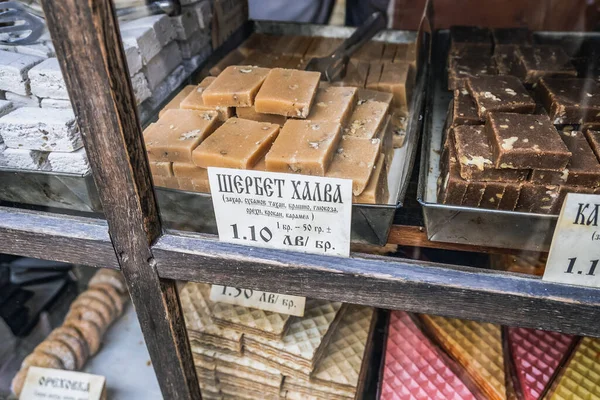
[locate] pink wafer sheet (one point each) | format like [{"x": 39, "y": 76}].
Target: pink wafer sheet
[
  {"x": 413, "y": 370},
  {"x": 536, "y": 354}
]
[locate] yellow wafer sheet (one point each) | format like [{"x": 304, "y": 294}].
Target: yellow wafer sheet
[
  {"x": 341, "y": 364},
  {"x": 197, "y": 313},
  {"x": 272, "y": 325},
  {"x": 580, "y": 378},
  {"x": 477, "y": 347},
  {"x": 302, "y": 342}
]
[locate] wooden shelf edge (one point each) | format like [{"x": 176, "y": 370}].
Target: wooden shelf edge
[
  {"x": 56, "y": 237},
  {"x": 461, "y": 292}
]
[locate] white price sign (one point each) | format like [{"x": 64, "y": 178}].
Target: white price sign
[
  {"x": 56, "y": 384},
  {"x": 280, "y": 303},
  {"x": 303, "y": 213},
  {"x": 574, "y": 253}
]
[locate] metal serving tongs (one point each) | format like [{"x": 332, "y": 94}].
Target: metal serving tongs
[
  {"x": 17, "y": 25},
  {"x": 334, "y": 65}
]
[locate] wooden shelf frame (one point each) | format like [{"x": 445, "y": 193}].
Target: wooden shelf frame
[{"x": 131, "y": 239}]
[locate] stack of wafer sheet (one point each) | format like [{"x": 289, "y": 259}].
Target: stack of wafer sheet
[{"x": 246, "y": 353}]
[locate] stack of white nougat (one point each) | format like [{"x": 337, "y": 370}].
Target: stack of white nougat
[{"x": 37, "y": 125}]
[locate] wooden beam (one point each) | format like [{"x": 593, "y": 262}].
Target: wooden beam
[
  {"x": 416, "y": 236},
  {"x": 89, "y": 49},
  {"x": 417, "y": 286},
  {"x": 55, "y": 237}
]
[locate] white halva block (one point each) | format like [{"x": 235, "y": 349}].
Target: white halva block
[
  {"x": 140, "y": 87},
  {"x": 160, "y": 24},
  {"x": 194, "y": 45},
  {"x": 185, "y": 24},
  {"x": 162, "y": 92},
  {"x": 75, "y": 162},
  {"x": 162, "y": 65},
  {"x": 134, "y": 58},
  {"x": 56, "y": 103},
  {"x": 14, "y": 68},
  {"x": 144, "y": 39},
  {"x": 44, "y": 129},
  {"x": 47, "y": 80},
  {"x": 22, "y": 101},
  {"x": 24, "y": 159}
]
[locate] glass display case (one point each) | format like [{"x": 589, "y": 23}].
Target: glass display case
[{"x": 459, "y": 127}]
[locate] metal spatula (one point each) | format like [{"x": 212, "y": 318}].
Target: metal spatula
[
  {"x": 334, "y": 65},
  {"x": 17, "y": 26}
]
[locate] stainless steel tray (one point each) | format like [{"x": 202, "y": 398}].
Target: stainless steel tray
[
  {"x": 370, "y": 222},
  {"x": 467, "y": 225},
  {"x": 190, "y": 211},
  {"x": 47, "y": 189}
]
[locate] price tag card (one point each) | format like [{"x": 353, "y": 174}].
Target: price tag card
[
  {"x": 575, "y": 250},
  {"x": 303, "y": 213},
  {"x": 56, "y": 384},
  {"x": 280, "y": 303}
]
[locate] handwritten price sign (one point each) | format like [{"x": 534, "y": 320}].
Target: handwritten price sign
[{"x": 284, "y": 304}]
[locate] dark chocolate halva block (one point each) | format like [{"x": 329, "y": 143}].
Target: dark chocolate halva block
[
  {"x": 512, "y": 190},
  {"x": 474, "y": 194},
  {"x": 525, "y": 141},
  {"x": 566, "y": 189},
  {"x": 494, "y": 191},
  {"x": 505, "y": 57},
  {"x": 500, "y": 94},
  {"x": 453, "y": 186},
  {"x": 461, "y": 68},
  {"x": 475, "y": 156},
  {"x": 465, "y": 111},
  {"x": 534, "y": 63},
  {"x": 535, "y": 198},
  {"x": 570, "y": 100},
  {"x": 593, "y": 138},
  {"x": 582, "y": 170}
]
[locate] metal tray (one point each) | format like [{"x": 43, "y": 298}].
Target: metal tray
[
  {"x": 181, "y": 210},
  {"x": 370, "y": 222},
  {"x": 467, "y": 225}
]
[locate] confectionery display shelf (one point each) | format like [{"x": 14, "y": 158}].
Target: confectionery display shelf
[{"x": 467, "y": 225}]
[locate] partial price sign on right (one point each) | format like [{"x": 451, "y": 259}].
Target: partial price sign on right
[{"x": 575, "y": 250}]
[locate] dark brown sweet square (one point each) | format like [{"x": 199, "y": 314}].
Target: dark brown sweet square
[
  {"x": 494, "y": 191},
  {"x": 539, "y": 199},
  {"x": 566, "y": 189},
  {"x": 534, "y": 63},
  {"x": 510, "y": 196},
  {"x": 474, "y": 194},
  {"x": 465, "y": 111},
  {"x": 453, "y": 187},
  {"x": 468, "y": 38},
  {"x": 505, "y": 57},
  {"x": 593, "y": 138},
  {"x": 583, "y": 169},
  {"x": 520, "y": 36},
  {"x": 525, "y": 141},
  {"x": 475, "y": 156},
  {"x": 500, "y": 94},
  {"x": 461, "y": 68},
  {"x": 570, "y": 100}
]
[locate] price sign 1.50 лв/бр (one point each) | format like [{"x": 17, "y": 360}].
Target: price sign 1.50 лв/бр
[{"x": 575, "y": 250}]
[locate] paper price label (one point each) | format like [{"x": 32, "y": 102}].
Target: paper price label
[
  {"x": 575, "y": 250},
  {"x": 303, "y": 213},
  {"x": 56, "y": 384},
  {"x": 280, "y": 303}
]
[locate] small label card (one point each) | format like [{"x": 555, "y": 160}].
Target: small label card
[
  {"x": 56, "y": 384},
  {"x": 303, "y": 213},
  {"x": 280, "y": 303},
  {"x": 575, "y": 250}
]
